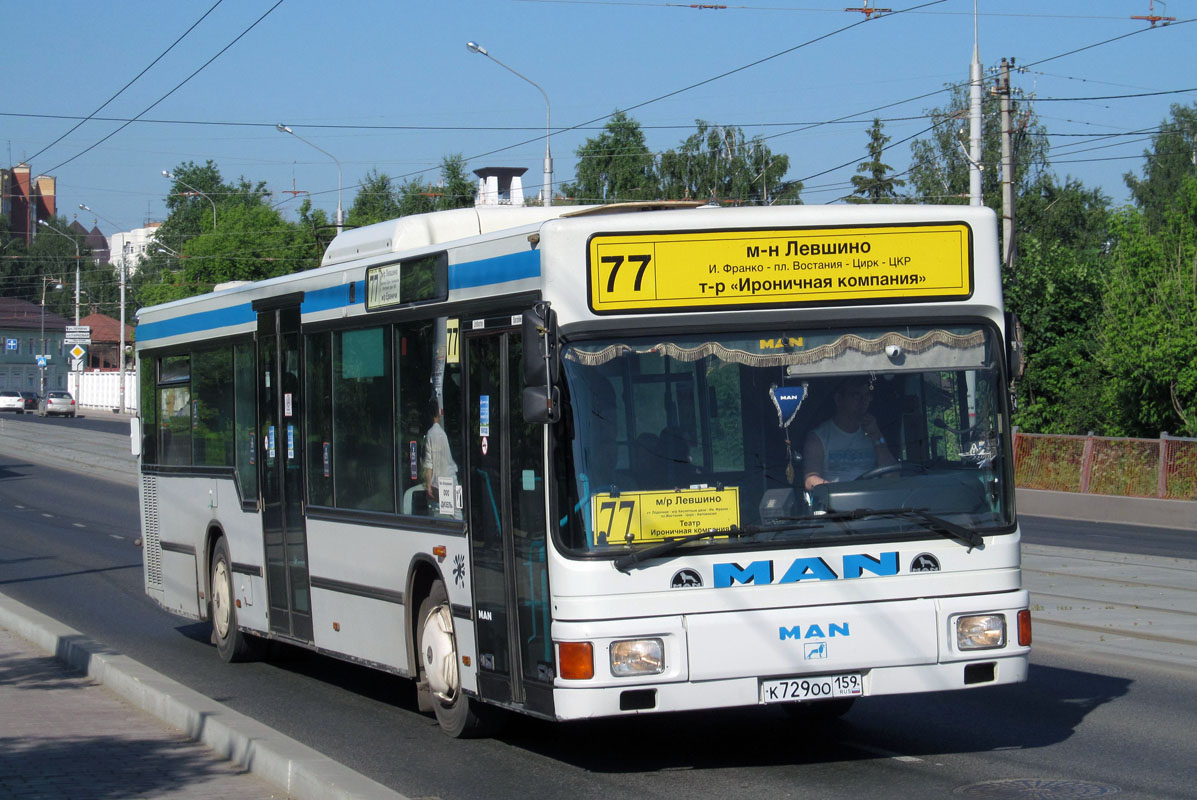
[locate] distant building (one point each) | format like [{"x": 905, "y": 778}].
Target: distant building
[
  {"x": 500, "y": 186},
  {"x": 94, "y": 240},
  {"x": 134, "y": 246},
  {"x": 105, "y": 341},
  {"x": 25, "y": 199},
  {"x": 21, "y": 333}
]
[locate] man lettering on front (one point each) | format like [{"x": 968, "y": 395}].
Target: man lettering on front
[{"x": 849, "y": 443}]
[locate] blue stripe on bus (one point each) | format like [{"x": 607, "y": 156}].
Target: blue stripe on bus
[
  {"x": 468, "y": 275},
  {"x": 194, "y": 323},
  {"x": 331, "y": 297},
  {"x": 500, "y": 269}
]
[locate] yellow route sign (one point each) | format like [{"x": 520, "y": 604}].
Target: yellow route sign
[
  {"x": 642, "y": 273},
  {"x": 636, "y": 517}
]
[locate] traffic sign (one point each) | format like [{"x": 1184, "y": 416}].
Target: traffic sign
[
  {"x": 41, "y": 361},
  {"x": 77, "y": 351},
  {"x": 83, "y": 329}
]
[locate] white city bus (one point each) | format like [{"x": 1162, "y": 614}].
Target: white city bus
[{"x": 559, "y": 460}]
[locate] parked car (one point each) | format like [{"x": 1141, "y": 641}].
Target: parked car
[
  {"x": 31, "y": 400},
  {"x": 57, "y": 403},
  {"x": 12, "y": 401}
]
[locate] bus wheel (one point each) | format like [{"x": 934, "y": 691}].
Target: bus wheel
[
  {"x": 458, "y": 715},
  {"x": 819, "y": 710},
  {"x": 232, "y": 644}
]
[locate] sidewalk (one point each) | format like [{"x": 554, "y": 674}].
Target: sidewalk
[
  {"x": 79, "y": 720},
  {"x": 63, "y": 735}
]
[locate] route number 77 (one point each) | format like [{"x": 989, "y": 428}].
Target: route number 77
[
  {"x": 603, "y": 533},
  {"x": 617, "y": 261}
]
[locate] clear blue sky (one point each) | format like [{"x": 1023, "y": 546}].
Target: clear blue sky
[{"x": 397, "y": 74}]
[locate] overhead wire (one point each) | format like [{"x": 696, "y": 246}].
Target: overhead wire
[{"x": 178, "y": 86}]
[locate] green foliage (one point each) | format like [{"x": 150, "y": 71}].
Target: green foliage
[
  {"x": 718, "y": 163},
  {"x": 1054, "y": 295},
  {"x": 939, "y": 165},
  {"x": 1148, "y": 333},
  {"x": 615, "y": 166},
  {"x": 252, "y": 243},
  {"x": 875, "y": 184},
  {"x": 375, "y": 202},
  {"x": 1168, "y": 163}
]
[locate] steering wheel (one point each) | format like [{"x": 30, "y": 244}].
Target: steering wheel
[{"x": 889, "y": 469}]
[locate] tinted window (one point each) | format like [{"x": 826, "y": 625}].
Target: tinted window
[{"x": 364, "y": 456}]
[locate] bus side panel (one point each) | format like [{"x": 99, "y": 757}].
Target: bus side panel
[
  {"x": 243, "y": 531},
  {"x": 182, "y": 500},
  {"x": 358, "y": 576}
]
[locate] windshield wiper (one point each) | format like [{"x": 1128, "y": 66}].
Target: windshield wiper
[
  {"x": 935, "y": 523},
  {"x": 626, "y": 562}
]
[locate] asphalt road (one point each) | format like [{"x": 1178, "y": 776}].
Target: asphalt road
[{"x": 1084, "y": 721}]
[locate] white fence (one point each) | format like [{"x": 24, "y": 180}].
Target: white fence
[{"x": 103, "y": 389}]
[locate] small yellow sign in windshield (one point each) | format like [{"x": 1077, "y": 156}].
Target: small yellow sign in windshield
[
  {"x": 638, "y": 517},
  {"x": 641, "y": 273}
]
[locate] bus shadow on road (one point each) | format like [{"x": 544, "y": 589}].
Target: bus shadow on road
[{"x": 1045, "y": 711}]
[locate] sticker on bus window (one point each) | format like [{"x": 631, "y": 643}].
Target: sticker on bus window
[
  {"x": 640, "y": 517},
  {"x": 444, "y": 495},
  {"x": 290, "y": 442},
  {"x": 412, "y": 451},
  {"x": 287, "y": 404},
  {"x": 484, "y": 416},
  {"x": 452, "y": 341},
  {"x": 270, "y": 442},
  {"x": 327, "y": 459}
]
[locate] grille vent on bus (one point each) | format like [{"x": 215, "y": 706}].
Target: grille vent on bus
[{"x": 152, "y": 546}]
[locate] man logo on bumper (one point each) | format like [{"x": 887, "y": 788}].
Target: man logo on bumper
[{"x": 685, "y": 579}]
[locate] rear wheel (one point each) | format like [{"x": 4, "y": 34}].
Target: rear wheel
[
  {"x": 232, "y": 644},
  {"x": 459, "y": 716}
]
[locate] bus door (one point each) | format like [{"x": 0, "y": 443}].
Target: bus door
[
  {"x": 507, "y": 527},
  {"x": 281, "y": 449}
]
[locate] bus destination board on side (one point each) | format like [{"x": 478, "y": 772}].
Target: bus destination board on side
[{"x": 642, "y": 273}]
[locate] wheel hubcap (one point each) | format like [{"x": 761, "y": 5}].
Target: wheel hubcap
[
  {"x": 439, "y": 653},
  {"x": 220, "y": 599}
]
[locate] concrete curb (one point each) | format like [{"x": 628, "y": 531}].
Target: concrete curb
[
  {"x": 1149, "y": 511},
  {"x": 299, "y": 770}
]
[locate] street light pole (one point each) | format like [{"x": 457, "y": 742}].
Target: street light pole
[
  {"x": 281, "y": 128},
  {"x": 170, "y": 176},
  {"x": 41, "y": 366},
  {"x": 75, "y": 242},
  {"x": 474, "y": 47}
]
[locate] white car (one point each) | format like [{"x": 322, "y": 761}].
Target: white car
[{"x": 12, "y": 401}]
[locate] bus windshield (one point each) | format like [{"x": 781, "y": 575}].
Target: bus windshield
[{"x": 791, "y": 435}]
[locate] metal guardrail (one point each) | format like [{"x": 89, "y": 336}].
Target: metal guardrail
[{"x": 1164, "y": 468}]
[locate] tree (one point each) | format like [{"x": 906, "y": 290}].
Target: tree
[
  {"x": 720, "y": 164},
  {"x": 615, "y": 166},
  {"x": 939, "y": 171},
  {"x": 875, "y": 184},
  {"x": 375, "y": 201},
  {"x": 1148, "y": 333},
  {"x": 1168, "y": 163}
]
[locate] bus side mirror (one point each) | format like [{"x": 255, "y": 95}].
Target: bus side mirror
[
  {"x": 541, "y": 365},
  {"x": 135, "y": 435}
]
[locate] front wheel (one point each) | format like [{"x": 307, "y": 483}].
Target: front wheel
[
  {"x": 459, "y": 716},
  {"x": 232, "y": 644}
]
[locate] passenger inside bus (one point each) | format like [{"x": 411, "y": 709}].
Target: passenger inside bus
[{"x": 849, "y": 443}]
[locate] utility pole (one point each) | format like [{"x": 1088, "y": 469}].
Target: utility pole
[
  {"x": 976, "y": 197},
  {"x": 121, "y": 352},
  {"x": 1003, "y": 91}
]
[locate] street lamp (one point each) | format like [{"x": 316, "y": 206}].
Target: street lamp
[
  {"x": 41, "y": 362},
  {"x": 281, "y": 128},
  {"x": 126, "y": 246},
  {"x": 170, "y": 175},
  {"x": 474, "y": 47},
  {"x": 75, "y": 242}
]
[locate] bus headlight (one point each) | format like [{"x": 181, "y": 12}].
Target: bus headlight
[
  {"x": 637, "y": 657},
  {"x": 981, "y": 631}
]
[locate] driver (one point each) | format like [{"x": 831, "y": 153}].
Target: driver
[{"x": 849, "y": 443}]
